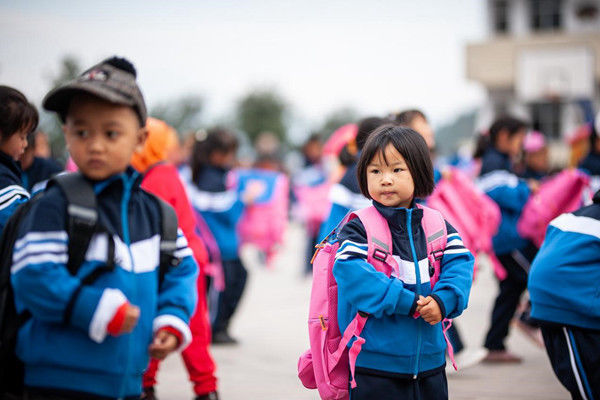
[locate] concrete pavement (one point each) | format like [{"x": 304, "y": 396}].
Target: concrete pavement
[{"x": 271, "y": 327}]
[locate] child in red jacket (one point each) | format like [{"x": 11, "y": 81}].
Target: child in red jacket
[{"x": 162, "y": 179}]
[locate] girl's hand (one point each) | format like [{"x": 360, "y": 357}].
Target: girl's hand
[
  {"x": 164, "y": 343},
  {"x": 430, "y": 310}
]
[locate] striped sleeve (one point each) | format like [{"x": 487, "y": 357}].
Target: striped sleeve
[
  {"x": 182, "y": 250},
  {"x": 10, "y": 198}
]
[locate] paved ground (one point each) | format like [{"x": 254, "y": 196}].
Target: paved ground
[{"x": 271, "y": 325}]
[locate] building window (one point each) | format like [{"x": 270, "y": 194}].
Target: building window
[
  {"x": 501, "y": 16},
  {"x": 545, "y": 117},
  {"x": 545, "y": 14}
]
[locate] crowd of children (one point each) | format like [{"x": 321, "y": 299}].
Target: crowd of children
[{"x": 128, "y": 292}]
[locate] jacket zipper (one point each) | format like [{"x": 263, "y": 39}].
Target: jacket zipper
[
  {"x": 418, "y": 276},
  {"x": 127, "y": 184}
]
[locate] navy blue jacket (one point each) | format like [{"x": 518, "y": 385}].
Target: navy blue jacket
[
  {"x": 395, "y": 341},
  {"x": 12, "y": 192},
  {"x": 565, "y": 274},
  {"x": 40, "y": 170},
  {"x": 345, "y": 196},
  {"x": 591, "y": 164},
  {"x": 71, "y": 350},
  {"x": 220, "y": 206},
  {"x": 510, "y": 193}
]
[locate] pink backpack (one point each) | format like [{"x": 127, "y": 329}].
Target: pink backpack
[
  {"x": 271, "y": 206},
  {"x": 471, "y": 212},
  {"x": 561, "y": 194},
  {"x": 313, "y": 205},
  {"x": 325, "y": 365}
]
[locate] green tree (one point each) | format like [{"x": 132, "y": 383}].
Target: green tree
[
  {"x": 335, "y": 119},
  {"x": 184, "y": 114},
  {"x": 262, "y": 110}
]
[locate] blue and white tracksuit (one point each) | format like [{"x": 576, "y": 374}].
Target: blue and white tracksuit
[
  {"x": 221, "y": 208},
  {"x": 396, "y": 343},
  {"x": 563, "y": 288},
  {"x": 498, "y": 181},
  {"x": 345, "y": 196},
  {"x": 12, "y": 192},
  {"x": 65, "y": 344},
  {"x": 514, "y": 252}
]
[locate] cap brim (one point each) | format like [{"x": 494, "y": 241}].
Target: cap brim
[{"x": 59, "y": 99}]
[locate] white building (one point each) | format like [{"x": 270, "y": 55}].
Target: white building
[{"x": 541, "y": 62}]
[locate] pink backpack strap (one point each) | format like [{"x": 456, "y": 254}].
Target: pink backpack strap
[
  {"x": 379, "y": 240},
  {"x": 436, "y": 235}
]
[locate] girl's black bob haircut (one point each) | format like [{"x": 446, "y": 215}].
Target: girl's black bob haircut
[
  {"x": 16, "y": 113},
  {"x": 410, "y": 145}
]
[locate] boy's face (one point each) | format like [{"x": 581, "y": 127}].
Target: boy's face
[
  {"x": 15, "y": 145},
  {"x": 101, "y": 136}
]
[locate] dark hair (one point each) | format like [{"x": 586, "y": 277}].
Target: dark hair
[
  {"x": 410, "y": 145},
  {"x": 505, "y": 123},
  {"x": 406, "y": 117},
  {"x": 16, "y": 113},
  {"x": 206, "y": 143},
  {"x": 365, "y": 127}
]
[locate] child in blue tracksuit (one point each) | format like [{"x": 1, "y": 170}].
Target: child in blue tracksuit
[
  {"x": 18, "y": 118},
  {"x": 345, "y": 196},
  {"x": 93, "y": 340},
  {"x": 515, "y": 253},
  {"x": 403, "y": 357},
  {"x": 213, "y": 156},
  {"x": 563, "y": 287}
]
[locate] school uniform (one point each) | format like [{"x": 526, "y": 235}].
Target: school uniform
[
  {"x": 514, "y": 252},
  {"x": 563, "y": 287},
  {"x": 41, "y": 169},
  {"x": 402, "y": 357},
  {"x": 65, "y": 345},
  {"x": 12, "y": 192},
  {"x": 221, "y": 208}
]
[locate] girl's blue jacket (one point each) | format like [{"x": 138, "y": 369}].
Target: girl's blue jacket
[
  {"x": 396, "y": 342},
  {"x": 510, "y": 193},
  {"x": 12, "y": 192},
  {"x": 65, "y": 345},
  {"x": 220, "y": 206},
  {"x": 565, "y": 274}
]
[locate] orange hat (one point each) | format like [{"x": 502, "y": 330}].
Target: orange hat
[{"x": 161, "y": 141}]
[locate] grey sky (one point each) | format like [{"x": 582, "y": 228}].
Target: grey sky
[{"x": 376, "y": 56}]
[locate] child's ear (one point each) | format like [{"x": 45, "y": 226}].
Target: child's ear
[{"x": 142, "y": 136}]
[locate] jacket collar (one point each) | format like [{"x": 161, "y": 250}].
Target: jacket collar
[
  {"x": 11, "y": 164},
  {"x": 398, "y": 217},
  {"x": 130, "y": 177}
]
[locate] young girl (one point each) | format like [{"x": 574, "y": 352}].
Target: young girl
[
  {"x": 497, "y": 180},
  {"x": 403, "y": 356},
  {"x": 213, "y": 156},
  {"x": 18, "y": 118}
]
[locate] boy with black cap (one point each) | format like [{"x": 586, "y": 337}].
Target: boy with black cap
[{"x": 92, "y": 340}]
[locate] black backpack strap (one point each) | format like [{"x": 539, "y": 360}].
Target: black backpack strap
[
  {"x": 168, "y": 238},
  {"x": 82, "y": 214}
]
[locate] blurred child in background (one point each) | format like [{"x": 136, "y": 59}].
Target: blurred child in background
[
  {"x": 497, "y": 179},
  {"x": 535, "y": 156},
  {"x": 18, "y": 119},
  {"x": 346, "y": 196},
  {"x": 213, "y": 156},
  {"x": 161, "y": 178}
]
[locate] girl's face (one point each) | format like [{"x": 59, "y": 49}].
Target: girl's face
[
  {"x": 15, "y": 145},
  {"x": 221, "y": 159},
  {"x": 511, "y": 144},
  {"x": 390, "y": 183}
]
